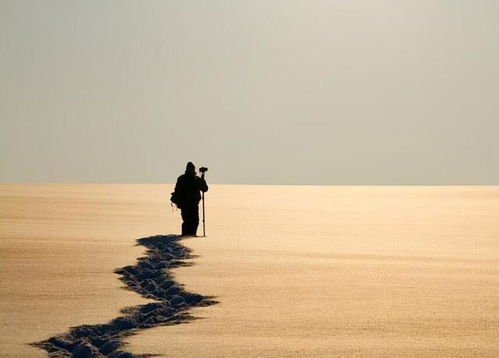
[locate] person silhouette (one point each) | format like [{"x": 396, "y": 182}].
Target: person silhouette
[{"x": 187, "y": 193}]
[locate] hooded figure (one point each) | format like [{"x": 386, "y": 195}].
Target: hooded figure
[{"x": 188, "y": 192}]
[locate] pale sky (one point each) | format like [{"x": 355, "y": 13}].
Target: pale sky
[{"x": 261, "y": 92}]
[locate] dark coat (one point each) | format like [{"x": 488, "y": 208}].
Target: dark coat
[{"x": 188, "y": 189}]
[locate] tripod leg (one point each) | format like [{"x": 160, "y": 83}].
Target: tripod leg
[{"x": 204, "y": 226}]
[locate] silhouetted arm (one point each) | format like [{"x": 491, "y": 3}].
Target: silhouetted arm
[{"x": 202, "y": 184}]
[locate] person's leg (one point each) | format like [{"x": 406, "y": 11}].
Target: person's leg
[
  {"x": 185, "y": 218},
  {"x": 190, "y": 216},
  {"x": 195, "y": 219}
]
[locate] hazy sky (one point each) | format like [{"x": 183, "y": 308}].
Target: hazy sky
[{"x": 274, "y": 91}]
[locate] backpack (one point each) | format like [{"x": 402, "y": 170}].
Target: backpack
[{"x": 175, "y": 199}]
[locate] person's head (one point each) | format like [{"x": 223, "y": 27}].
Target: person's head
[{"x": 190, "y": 169}]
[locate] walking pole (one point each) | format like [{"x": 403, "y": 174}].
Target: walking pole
[{"x": 204, "y": 226}]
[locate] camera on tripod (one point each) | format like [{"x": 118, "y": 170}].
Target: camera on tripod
[{"x": 203, "y": 169}]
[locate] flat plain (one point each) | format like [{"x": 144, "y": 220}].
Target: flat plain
[{"x": 306, "y": 271}]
